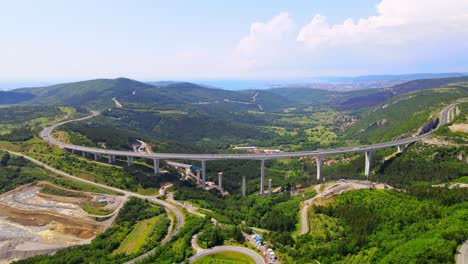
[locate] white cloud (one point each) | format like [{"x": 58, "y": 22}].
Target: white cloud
[
  {"x": 267, "y": 42},
  {"x": 397, "y": 22},
  {"x": 416, "y": 35}
]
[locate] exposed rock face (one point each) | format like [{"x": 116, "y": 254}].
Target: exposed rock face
[
  {"x": 378, "y": 123},
  {"x": 429, "y": 126},
  {"x": 463, "y": 157}
]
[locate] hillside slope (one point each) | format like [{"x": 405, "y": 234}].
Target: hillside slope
[
  {"x": 14, "y": 97},
  {"x": 403, "y": 115},
  {"x": 99, "y": 94},
  {"x": 372, "y": 97}
]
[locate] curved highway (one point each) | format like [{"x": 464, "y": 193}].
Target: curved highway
[
  {"x": 205, "y": 252},
  {"x": 175, "y": 210},
  {"x": 45, "y": 134}
]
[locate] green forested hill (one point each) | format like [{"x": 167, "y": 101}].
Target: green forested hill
[
  {"x": 371, "y": 97},
  {"x": 375, "y": 226},
  {"x": 304, "y": 95},
  {"x": 287, "y": 118},
  {"x": 13, "y": 97},
  {"x": 402, "y": 114},
  {"x": 98, "y": 94}
]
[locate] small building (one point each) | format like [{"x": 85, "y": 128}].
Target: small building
[
  {"x": 269, "y": 151},
  {"x": 249, "y": 148}
]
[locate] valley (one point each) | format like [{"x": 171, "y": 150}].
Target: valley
[
  {"x": 235, "y": 132},
  {"x": 139, "y": 153}
]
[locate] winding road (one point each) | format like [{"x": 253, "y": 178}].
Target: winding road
[
  {"x": 179, "y": 216},
  {"x": 205, "y": 252},
  {"x": 462, "y": 258},
  {"x": 45, "y": 135}
]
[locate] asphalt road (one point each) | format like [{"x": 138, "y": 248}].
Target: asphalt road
[
  {"x": 45, "y": 134},
  {"x": 175, "y": 210},
  {"x": 462, "y": 258},
  {"x": 205, "y": 252}
]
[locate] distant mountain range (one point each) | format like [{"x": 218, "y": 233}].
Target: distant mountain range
[
  {"x": 197, "y": 118},
  {"x": 333, "y": 83},
  {"x": 104, "y": 93}
]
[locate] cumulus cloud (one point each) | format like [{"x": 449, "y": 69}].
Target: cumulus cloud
[
  {"x": 267, "y": 41},
  {"x": 416, "y": 34},
  {"x": 397, "y": 22}
]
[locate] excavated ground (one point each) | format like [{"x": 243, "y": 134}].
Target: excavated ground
[{"x": 33, "y": 223}]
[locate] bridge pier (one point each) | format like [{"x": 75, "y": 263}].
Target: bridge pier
[
  {"x": 243, "y": 186},
  {"x": 129, "y": 160},
  {"x": 83, "y": 154},
  {"x": 111, "y": 159},
  {"x": 203, "y": 165},
  {"x": 319, "y": 167},
  {"x": 269, "y": 187},
  {"x": 262, "y": 176},
  {"x": 401, "y": 148},
  {"x": 73, "y": 151},
  {"x": 220, "y": 181},
  {"x": 156, "y": 166},
  {"x": 96, "y": 157},
  {"x": 198, "y": 176},
  {"x": 368, "y": 163}
]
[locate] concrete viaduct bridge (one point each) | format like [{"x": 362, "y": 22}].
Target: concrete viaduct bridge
[{"x": 446, "y": 115}]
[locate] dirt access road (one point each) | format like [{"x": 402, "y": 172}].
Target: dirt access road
[{"x": 327, "y": 190}]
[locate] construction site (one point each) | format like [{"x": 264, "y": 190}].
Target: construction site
[{"x": 34, "y": 222}]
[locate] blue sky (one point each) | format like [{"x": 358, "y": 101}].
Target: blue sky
[{"x": 157, "y": 40}]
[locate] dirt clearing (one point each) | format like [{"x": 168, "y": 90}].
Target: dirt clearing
[
  {"x": 33, "y": 223},
  {"x": 459, "y": 128}
]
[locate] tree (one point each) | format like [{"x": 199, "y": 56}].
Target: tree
[{"x": 5, "y": 159}]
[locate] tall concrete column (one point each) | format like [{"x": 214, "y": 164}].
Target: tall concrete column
[
  {"x": 368, "y": 163},
  {"x": 243, "y": 186},
  {"x": 73, "y": 151},
  {"x": 203, "y": 165},
  {"x": 401, "y": 148},
  {"x": 156, "y": 166},
  {"x": 220, "y": 181},
  {"x": 198, "y": 176},
  {"x": 83, "y": 154},
  {"x": 129, "y": 160},
  {"x": 269, "y": 187},
  {"x": 319, "y": 167},
  {"x": 111, "y": 159},
  {"x": 262, "y": 176},
  {"x": 96, "y": 156}
]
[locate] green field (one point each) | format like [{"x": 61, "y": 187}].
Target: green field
[
  {"x": 463, "y": 179},
  {"x": 323, "y": 226},
  {"x": 227, "y": 257},
  {"x": 139, "y": 236}
]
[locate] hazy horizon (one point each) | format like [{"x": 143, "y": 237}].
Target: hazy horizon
[{"x": 241, "y": 40}]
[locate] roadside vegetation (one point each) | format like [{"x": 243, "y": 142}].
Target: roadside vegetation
[
  {"x": 105, "y": 247},
  {"x": 225, "y": 258},
  {"x": 420, "y": 223},
  {"x": 383, "y": 226},
  {"x": 17, "y": 171},
  {"x": 454, "y": 132},
  {"x": 402, "y": 115}
]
